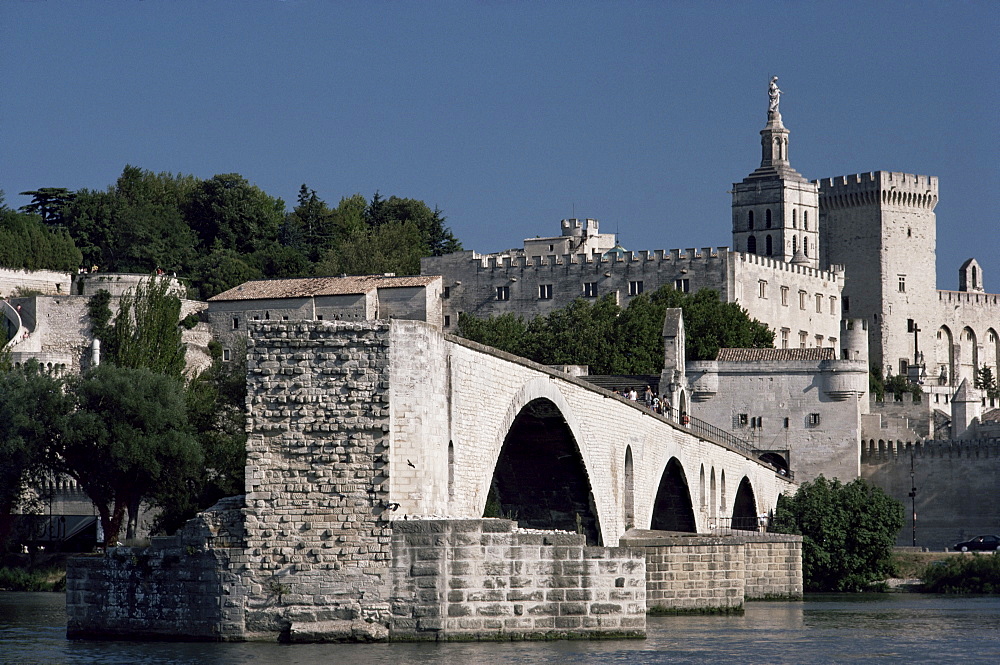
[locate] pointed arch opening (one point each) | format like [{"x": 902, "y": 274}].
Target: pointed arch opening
[
  {"x": 672, "y": 509},
  {"x": 752, "y": 245},
  {"x": 745, "y": 507},
  {"x": 944, "y": 357},
  {"x": 540, "y": 478},
  {"x": 768, "y": 246}
]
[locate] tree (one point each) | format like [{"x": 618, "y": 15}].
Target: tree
[
  {"x": 216, "y": 406},
  {"x": 612, "y": 340},
  {"x": 394, "y": 247},
  {"x": 25, "y": 242},
  {"x": 145, "y": 332},
  {"x": 986, "y": 382},
  {"x": 127, "y": 439},
  {"x": 848, "y": 532},
  {"x": 32, "y": 407},
  {"x": 227, "y": 212},
  {"x": 220, "y": 271},
  {"x": 48, "y": 203}
]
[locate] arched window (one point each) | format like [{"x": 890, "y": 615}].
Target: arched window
[
  {"x": 805, "y": 246},
  {"x": 767, "y": 218},
  {"x": 805, "y": 220},
  {"x": 750, "y": 221},
  {"x": 769, "y": 249},
  {"x": 751, "y": 245},
  {"x": 795, "y": 243},
  {"x": 794, "y": 218}
]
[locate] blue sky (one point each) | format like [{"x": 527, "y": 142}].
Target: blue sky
[{"x": 510, "y": 116}]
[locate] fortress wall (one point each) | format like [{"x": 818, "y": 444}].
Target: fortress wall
[
  {"x": 955, "y": 481},
  {"x": 43, "y": 281}
]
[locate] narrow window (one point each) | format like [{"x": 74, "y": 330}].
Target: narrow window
[
  {"x": 819, "y": 341},
  {"x": 545, "y": 292},
  {"x": 803, "y": 339},
  {"x": 634, "y": 288},
  {"x": 805, "y": 220},
  {"x": 813, "y": 419},
  {"x": 768, "y": 249},
  {"x": 795, "y": 221},
  {"x": 319, "y": 317},
  {"x": 552, "y": 248},
  {"x": 802, "y": 299},
  {"x": 236, "y": 323},
  {"x": 750, "y": 221},
  {"x": 767, "y": 218},
  {"x": 833, "y": 306},
  {"x": 786, "y": 423},
  {"x": 805, "y": 246},
  {"x": 902, "y": 283},
  {"x": 447, "y": 320},
  {"x": 446, "y": 292},
  {"x": 226, "y": 355},
  {"x": 784, "y": 337},
  {"x": 751, "y": 245},
  {"x": 682, "y": 285},
  {"x": 762, "y": 289},
  {"x": 503, "y": 293},
  {"x": 819, "y": 303},
  {"x": 795, "y": 243},
  {"x": 784, "y": 296},
  {"x": 847, "y": 304},
  {"x": 590, "y": 289}
]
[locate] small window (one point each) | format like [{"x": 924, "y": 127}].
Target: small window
[
  {"x": 904, "y": 366},
  {"x": 805, "y": 246},
  {"x": 682, "y": 285},
  {"x": 552, "y": 248},
  {"x": 767, "y": 218},
  {"x": 319, "y": 317},
  {"x": 267, "y": 316},
  {"x": 768, "y": 246},
  {"x": 819, "y": 341},
  {"x": 284, "y": 318},
  {"x": 742, "y": 420},
  {"x": 803, "y": 339},
  {"x": 847, "y": 304},
  {"x": 751, "y": 245},
  {"x": 446, "y": 292},
  {"x": 634, "y": 288},
  {"x": 226, "y": 355},
  {"x": 813, "y": 419},
  {"x": 786, "y": 423},
  {"x": 833, "y": 306},
  {"x": 590, "y": 289},
  {"x": 784, "y": 296},
  {"x": 750, "y": 221},
  {"x": 503, "y": 293},
  {"x": 805, "y": 220},
  {"x": 447, "y": 320},
  {"x": 762, "y": 288},
  {"x": 545, "y": 292},
  {"x": 802, "y": 299},
  {"x": 819, "y": 303},
  {"x": 236, "y": 323},
  {"x": 795, "y": 218},
  {"x": 784, "y": 337},
  {"x": 902, "y": 283}
]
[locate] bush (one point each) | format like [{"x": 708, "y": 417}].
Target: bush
[
  {"x": 848, "y": 532},
  {"x": 964, "y": 574},
  {"x": 21, "y": 579}
]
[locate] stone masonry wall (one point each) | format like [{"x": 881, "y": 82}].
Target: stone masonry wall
[
  {"x": 484, "y": 579},
  {"x": 713, "y": 573}
]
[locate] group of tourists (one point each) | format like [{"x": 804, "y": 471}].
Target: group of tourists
[{"x": 655, "y": 403}]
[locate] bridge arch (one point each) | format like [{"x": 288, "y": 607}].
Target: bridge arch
[
  {"x": 745, "y": 507},
  {"x": 540, "y": 472},
  {"x": 672, "y": 509}
]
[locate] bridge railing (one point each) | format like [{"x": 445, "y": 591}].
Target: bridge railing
[{"x": 705, "y": 430}]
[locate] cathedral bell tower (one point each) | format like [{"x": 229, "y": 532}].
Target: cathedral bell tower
[{"x": 775, "y": 209}]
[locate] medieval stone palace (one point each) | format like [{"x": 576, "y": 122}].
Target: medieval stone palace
[{"x": 805, "y": 255}]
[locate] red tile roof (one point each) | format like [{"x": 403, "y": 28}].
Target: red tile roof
[
  {"x": 768, "y": 355},
  {"x": 305, "y": 287}
]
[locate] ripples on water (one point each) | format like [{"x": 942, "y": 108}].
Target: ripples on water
[{"x": 884, "y": 628}]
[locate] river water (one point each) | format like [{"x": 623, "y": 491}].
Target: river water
[{"x": 885, "y": 628}]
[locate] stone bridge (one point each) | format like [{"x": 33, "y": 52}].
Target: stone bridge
[
  {"x": 379, "y": 453},
  {"x": 469, "y": 430}
]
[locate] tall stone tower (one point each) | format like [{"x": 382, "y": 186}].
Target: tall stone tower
[
  {"x": 775, "y": 209},
  {"x": 881, "y": 226}
]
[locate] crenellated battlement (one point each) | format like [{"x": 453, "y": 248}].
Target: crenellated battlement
[
  {"x": 879, "y": 188},
  {"x": 986, "y": 300},
  {"x": 785, "y": 266},
  {"x": 879, "y": 451},
  {"x": 673, "y": 256}
]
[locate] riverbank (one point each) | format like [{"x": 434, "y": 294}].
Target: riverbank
[{"x": 33, "y": 572}]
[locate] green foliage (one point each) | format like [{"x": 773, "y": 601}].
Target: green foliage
[
  {"x": 220, "y": 271},
  {"x": 848, "y": 532},
  {"x": 986, "y": 382},
  {"x": 32, "y": 405},
  {"x": 99, "y": 313},
  {"x": 896, "y": 385},
  {"x": 48, "y": 203},
  {"x": 145, "y": 332},
  {"x": 215, "y": 401},
  {"x": 23, "y": 579},
  {"x": 394, "y": 247},
  {"x": 26, "y": 243},
  {"x": 227, "y": 212},
  {"x": 126, "y": 439},
  {"x": 612, "y": 340},
  {"x": 973, "y": 573}
]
